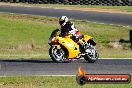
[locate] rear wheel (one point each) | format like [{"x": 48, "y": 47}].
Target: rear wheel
[
  {"x": 92, "y": 54},
  {"x": 57, "y": 55}
]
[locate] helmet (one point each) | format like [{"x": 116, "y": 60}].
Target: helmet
[{"x": 63, "y": 20}]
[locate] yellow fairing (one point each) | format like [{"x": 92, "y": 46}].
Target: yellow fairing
[
  {"x": 86, "y": 38},
  {"x": 70, "y": 45}
]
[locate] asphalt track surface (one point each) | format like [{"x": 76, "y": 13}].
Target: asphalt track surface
[
  {"x": 48, "y": 67},
  {"x": 100, "y": 17}
]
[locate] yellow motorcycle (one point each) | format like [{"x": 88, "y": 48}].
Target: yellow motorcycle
[{"x": 63, "y": 48}]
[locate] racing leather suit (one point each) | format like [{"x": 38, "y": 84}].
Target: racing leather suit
[{"x": 69, "y": 28}]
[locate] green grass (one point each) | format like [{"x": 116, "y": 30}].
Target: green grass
[
  {"x": 26, "y": 36},
  {"x": 115, "y": 8},
  {"x": 51, "y": 82}
]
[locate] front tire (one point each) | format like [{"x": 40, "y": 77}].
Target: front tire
[
  {"x": 57, "y": 55},
  {"x": 92, "y": 55}
]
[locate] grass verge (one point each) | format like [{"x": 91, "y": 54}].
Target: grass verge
[
  {"x": 26, "y": 36},
  {"x": 51, "y": 82}
]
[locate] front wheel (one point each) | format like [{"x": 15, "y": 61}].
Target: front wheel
[
  {"x": 57, "y": 55},
  {"x": 92, "y": 54}
]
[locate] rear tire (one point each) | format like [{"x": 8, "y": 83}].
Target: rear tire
[{"x": 57, "y": 55}]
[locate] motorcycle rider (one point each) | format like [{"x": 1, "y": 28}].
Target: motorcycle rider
[{"x": 67, "y": 27}]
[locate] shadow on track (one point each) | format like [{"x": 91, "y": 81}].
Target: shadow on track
[{"x": 29, "y": 61}]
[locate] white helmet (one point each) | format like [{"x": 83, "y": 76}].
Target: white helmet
[{"x": 63, "y": 20}]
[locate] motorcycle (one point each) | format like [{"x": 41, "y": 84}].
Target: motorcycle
[{"x": 64, "y": 48}]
